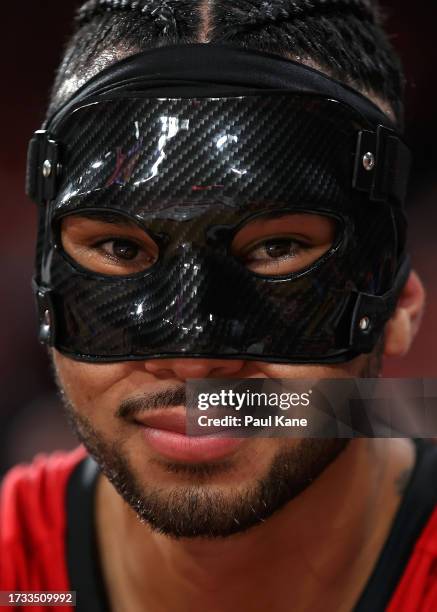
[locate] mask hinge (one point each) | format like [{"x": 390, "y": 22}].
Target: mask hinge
[
  {"x": 382, "y": 165},
  {"x": 368, "y": 318},
  {"x": 371, "y": 312},
  {"x": 43, "y": 167}
]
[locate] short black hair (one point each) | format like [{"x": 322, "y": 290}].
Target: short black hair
[{"x": 344, "y": 37}]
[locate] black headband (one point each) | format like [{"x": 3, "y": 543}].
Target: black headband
[{"x": 201, "y": 69}]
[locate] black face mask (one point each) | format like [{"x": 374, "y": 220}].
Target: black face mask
[{"x": 192, "y": 166}]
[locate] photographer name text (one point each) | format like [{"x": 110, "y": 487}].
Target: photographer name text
[{"x": 229, "y": 421}]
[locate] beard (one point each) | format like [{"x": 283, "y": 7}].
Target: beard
[{"x": 198, "y": 509}]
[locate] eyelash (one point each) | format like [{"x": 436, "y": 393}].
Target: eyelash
[
  {"x": 297, "y": 244},
  {"x": 98, "y": 245}
]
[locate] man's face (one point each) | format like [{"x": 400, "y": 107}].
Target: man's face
[{"x": 123, "y": 411}]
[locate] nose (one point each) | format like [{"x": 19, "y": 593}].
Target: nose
[{"x": 193, "y": 368}]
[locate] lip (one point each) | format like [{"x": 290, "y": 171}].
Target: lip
[
  {"x": 164, "y": 433},
  {"x": 169, "y": 420}
]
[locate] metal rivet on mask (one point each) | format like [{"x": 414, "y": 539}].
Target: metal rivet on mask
[
  {"x": 369, "y": 161},
  {"x": 45, "y": 327},
  {"x": 364, "y": 323},
  {"x": 47, "y": 168},
  {"x": 47, "y": 319}
]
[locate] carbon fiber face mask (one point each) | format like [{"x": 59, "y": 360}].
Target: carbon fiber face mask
[{"x": 191, "y": 145}]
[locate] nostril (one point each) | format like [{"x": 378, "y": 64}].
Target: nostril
[
  {"x": 162, "y": 373},
  {"x": 185, "y": 368},
  {"x": 228, "y": 368},
  {"x": 158, "y": 368}
]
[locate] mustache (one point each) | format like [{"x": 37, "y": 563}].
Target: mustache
[{"x": 167, "y": 398}]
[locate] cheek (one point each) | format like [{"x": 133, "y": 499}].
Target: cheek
[{"x": 88, "y": 385}]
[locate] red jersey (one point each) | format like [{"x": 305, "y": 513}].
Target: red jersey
[
  {"x": 46, "y": 541},
  {"x": 33, "y": 525}
]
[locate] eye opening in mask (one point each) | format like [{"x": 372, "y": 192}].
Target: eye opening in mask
[
  {"x": 84, "y": 239},
  {"x": 287, "y": 243}
]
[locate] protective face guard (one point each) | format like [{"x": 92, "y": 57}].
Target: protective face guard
[{"x": 191, "y": 171}]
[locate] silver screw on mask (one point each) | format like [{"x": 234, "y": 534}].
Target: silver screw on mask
[
  {"x": 46, "y": 326},
  {"x": 46, "y": 168},
  {"x": 369, "y": 161},
  {"x": 364, "y": 324}
]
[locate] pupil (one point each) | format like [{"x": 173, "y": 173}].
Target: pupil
[
  {"x": 125, "y": 250},
  {"x": 278, "y": 248}
]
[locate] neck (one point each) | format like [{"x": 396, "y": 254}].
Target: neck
[{"x": 335, "y": 528}]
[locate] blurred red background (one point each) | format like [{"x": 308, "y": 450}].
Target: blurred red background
[{"x": 32, "y": 38}]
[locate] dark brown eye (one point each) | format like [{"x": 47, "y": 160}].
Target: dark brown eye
[
  {"x": 122, "y": 249},
  {"x": 278, "y": 247}
]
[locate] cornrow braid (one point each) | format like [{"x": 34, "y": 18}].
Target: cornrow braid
[
  {"x": 260, "y": 13},
  {"x": 158, "y": 10},
  {"x": 154, "y": 8}
]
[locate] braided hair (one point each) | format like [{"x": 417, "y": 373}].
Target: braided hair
[
  {"x": 344, "y": 37},
  {"x": 160, "y": 13}
]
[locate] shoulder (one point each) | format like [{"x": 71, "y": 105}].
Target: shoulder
[
  {"x": 31, "y": 493},
  {"x": 32, "y": 514},
  {"x": 417, "y": 589}
]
